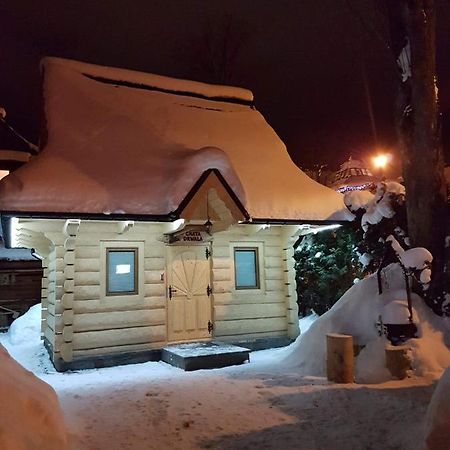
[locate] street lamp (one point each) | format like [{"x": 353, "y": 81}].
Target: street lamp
[{"x": 380, "y": 162}]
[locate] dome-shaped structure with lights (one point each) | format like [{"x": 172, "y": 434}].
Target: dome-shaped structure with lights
[{"x": 352, "y": 175}]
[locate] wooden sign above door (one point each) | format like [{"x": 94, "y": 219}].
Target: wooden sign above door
[{"x": 189, "y": 235}]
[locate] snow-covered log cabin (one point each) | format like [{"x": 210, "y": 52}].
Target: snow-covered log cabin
[{"x": 165, "y": 211}]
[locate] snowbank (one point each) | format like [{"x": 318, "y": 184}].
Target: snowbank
[
  {"x": 357, "y": 313},
  {"x": 437, "y": 431},
  {"x": 31, "y": 416},
  {"x": 26, "y": 328}
]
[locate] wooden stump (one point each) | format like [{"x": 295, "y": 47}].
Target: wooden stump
[
  {"x": 340, "y": 358},
  {"x": 397, "y": 361}
]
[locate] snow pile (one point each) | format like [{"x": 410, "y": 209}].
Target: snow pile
[
  {"x": 357, "y": 314},
  {"x": 27, "y": 328},
  {"x": 32, "y": 418},
  {"x": 437, "y": 431},
  {"x": 125, "y": 149},
  {"x": 305, "y": 322},
  {"x": 23, "y": 342}
]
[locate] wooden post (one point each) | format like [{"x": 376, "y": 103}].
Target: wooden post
[
  {"x": 397, "y": 361},
  {"x": 340, "y": 358}
]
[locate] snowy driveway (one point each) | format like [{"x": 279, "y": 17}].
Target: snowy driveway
[{"x": 254, "y": 406}]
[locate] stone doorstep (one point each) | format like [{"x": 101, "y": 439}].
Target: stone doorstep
[{"x": 204, "y": 355}]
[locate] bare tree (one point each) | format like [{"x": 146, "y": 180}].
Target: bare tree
[{"x": 221, "y": 41}]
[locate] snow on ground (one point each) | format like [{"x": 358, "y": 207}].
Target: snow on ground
[
  {"x": 438, "y": 416},
  {"x": 31, "y": 417},
  {"x": 260, "y": 405},
  {"x": 305, "y": 322}
]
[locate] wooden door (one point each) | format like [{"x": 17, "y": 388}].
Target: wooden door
[{"x": 188, "y": 293}]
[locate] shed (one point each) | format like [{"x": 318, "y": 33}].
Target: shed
[{"x": 165, "y": 211}]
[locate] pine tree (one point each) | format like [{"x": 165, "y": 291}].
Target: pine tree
[{"x": 326, "y": 266}]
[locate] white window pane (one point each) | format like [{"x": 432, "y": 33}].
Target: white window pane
[
  {"x": 121, "y": 271},
  {"x": 246, "y": 270}
]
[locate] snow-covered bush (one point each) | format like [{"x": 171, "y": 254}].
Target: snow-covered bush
[
  {"x": 381, "y": 215},
  {"x": 357, "y": 313},
  {"x": 32, "y": 418}
]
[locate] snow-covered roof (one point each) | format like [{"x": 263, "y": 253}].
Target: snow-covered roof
[{"x": 124, "y": 142}]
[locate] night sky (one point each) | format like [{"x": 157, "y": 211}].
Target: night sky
[{"x": 303, "y": 59}]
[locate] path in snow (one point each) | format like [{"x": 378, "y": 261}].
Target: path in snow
[{"x": 254, "y": 406}]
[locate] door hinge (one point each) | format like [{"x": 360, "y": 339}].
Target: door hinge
[
  {"x": 207, "y": 253},
  {"x": 210, "y": 326},
  {"x": 171, "y": 291},
  {"x": 208, "y": 290}
]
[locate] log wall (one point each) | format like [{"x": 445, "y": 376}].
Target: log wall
[
  {"x": 79, "y": 320},
  {"x": 254, "y": 313}
]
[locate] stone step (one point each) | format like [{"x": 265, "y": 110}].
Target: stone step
[{"x": 204, "y": 355}]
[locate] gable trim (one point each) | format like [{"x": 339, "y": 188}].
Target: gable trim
[{"x": 197, "y": 186}]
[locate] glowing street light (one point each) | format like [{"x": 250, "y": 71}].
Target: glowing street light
[{"x": 380, "y": 161}]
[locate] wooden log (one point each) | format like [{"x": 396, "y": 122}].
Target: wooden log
[
  {"x": 249, "y": 311},
  {"x": 221, "y": 251},
  {"x": 87, "y": 278},
  {"x": 124, "y": 336},
  {"x": 340, "y": 358},
  {"x": 273, "y": 262},
  {"x": 157, "y": 263},
  {"x": 154, "y": 290},
  {"x": 275, "y": 286},
  {"x": 87, "y": 252},
  {"x": 398, "y": 361},
  {"x": 118, "y": 319},
  {"x": 248, "y": 326},
  {"x": 274, "y": 273},
  {"x": 115, "y": 303},
  {"x": 153, "y": 277},
  {"x": 222, "y": 274},
  {"x": 221, "y": 263},
  {"x": 252, "y": 336},
  {"x": 273, "y": 250},
  {"x": 87, "y": 265},
  {"x": 118, "y": 349},
  {"x": 246, "y": 297}
]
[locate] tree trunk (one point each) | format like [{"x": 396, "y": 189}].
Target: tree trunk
[{"x": 412, "y": 25}]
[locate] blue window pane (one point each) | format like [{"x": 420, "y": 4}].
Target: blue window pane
[
  {"x": 246, "y": 268},
  {"x": 121, "y": 271}
]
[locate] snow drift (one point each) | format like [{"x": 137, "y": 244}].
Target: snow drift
[
  {"x": 437, "y": 430},
  {"x": 357, "y": 313},
  {"x": 32, "y": 418}
]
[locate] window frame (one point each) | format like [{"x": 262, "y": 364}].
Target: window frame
[
  {"x": 255, "y": 250},
  {"x": 135, "y": 251}
]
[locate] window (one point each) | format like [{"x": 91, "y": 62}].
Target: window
[
  {"x": 121, "y": 271},
  {"x": 246, "y": 268}
]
